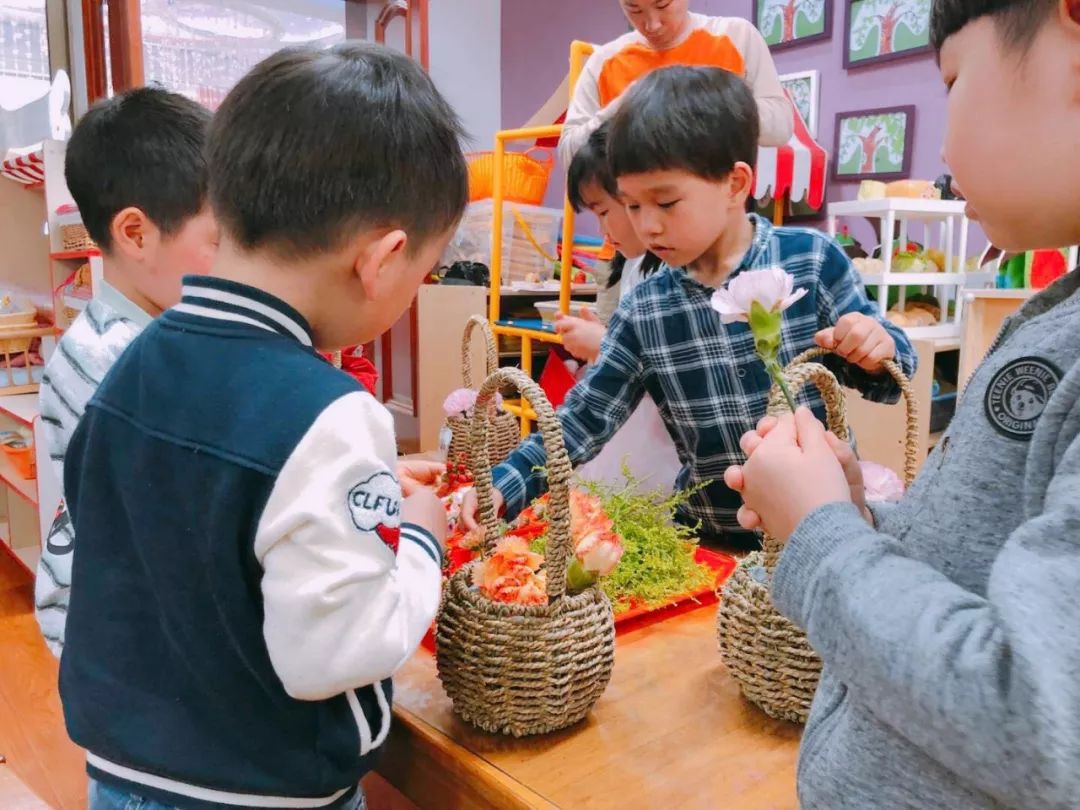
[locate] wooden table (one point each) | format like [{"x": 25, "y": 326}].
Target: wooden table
[{"x": 670, "y": 731}]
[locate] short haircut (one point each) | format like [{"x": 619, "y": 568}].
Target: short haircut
[
  {"x": 590, "y": 165},
  {"x": 312, "y": 145},
  {"x": 1017, "y": 21},
  {"x": 702, "y": 120},
  {"x": 141, "y": 149}
]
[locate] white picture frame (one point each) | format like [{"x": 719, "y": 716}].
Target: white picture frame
[{"x": 804, "y": 88}]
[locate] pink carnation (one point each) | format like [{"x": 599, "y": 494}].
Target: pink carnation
[
  {"x": 460, "y": 401},
  {"x": 880, "y": 483}
]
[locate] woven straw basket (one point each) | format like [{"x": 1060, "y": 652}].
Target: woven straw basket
[
  {"x": 505, "y": 432},
  {"x": 768, "y": 656},
  {"x": 524, "y": 669}
]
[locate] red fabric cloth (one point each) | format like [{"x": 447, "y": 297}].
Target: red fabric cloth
[{"x": 358, "y": 367}]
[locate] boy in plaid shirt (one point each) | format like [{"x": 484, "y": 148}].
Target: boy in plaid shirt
[{"x": 682, "y": 147}]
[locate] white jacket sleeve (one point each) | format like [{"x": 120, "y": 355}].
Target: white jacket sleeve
[
  {"x": 348, "y": 591},
  {"x": 774, "y": 109},
  {"x": 585, "y": 113}
]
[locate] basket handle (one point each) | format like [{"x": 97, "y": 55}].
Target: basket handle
[
  {"x": 559, "y": 471},
  {"x": 911, "y": 408},
  {"x": 491, "y": 360},
  {"x": 547, "y": 160},
  {"x": 802, "y": 370}
]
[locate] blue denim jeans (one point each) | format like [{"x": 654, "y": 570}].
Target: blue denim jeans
[{"x": 105, "y": 797}]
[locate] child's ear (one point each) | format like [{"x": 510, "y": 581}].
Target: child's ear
[
  {"x": 133, "y": 233},
  {"x": 742, "y": 183},
  {"x": 377, "y": 258},
  {"x": 1070, "y": 10}
]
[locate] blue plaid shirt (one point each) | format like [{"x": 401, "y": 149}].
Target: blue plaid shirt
[{"x": 665, "y": 340}]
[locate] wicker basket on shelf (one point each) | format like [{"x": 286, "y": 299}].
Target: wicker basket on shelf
[
  {"x": 76, "y": 237},
  {"x": 524, "y": 669},
  {"x": 768, "y": 656},
  {"x": 505, "y": 432}
]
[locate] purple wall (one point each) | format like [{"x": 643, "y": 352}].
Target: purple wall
[{"x": 535, "y": 47}]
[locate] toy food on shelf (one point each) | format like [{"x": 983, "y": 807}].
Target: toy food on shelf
[
  {"x": 913, "y": 189},
  {"x": 899, "y": 189},
  {"x": 850, "y": 244},
  {"x": 918, "y": 310},
  {"x": 868, "y": 266},
  {"x": 871, "y": 190}
]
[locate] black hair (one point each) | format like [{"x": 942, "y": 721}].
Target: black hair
[
  {"x": 1018, "y": 21},
  {"x": 650, "y": 263},
  {"x": 142, "y": 149},
  {"x": 590, "y": 165},
  {"x": 702, "y": 120},
  {"x": 312, "y": 145}
]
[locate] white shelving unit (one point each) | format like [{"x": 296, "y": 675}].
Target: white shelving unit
[{"x": 943, "y": 226}]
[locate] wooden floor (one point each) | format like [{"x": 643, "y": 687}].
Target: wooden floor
[
  {"x": 32, "y": 736},
  {"x": 40, "y": 757}
]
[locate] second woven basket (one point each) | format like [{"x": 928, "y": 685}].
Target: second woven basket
[
  {"x": 524, "y": 669},
  {"x": 505, "y": 432},
  {"x": 767, "y": 655}
]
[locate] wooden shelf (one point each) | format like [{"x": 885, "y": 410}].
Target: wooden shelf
[
  {"x": 29, "y": 556},
  {"x": 73, "y": 255},
  {"x": 23, "y": 408},
  {"x": 27, "y": 490}
]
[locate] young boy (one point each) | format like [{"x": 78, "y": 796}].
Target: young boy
[
  {"x": 682, "y": 148},
  {"x": 947, "y": 624},
  {"x": 149, "y": 216},
  {"x": 667, "y": 33},
  {"x": 249, "y": 576}
]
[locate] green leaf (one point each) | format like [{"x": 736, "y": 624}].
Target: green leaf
[{"x": 766, "y": 327}]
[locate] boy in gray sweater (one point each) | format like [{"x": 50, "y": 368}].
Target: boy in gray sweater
[{"x": 949, "y": 624}]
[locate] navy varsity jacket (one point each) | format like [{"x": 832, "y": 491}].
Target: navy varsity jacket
[{"x": 244, "y": 586}]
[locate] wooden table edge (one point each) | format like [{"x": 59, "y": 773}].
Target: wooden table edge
[{"x": 414, "y": 745}]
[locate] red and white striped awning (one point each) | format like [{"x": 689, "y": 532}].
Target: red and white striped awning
[
  {"x": 796, "y": 169},
  {"x": 26, "y": 169}
]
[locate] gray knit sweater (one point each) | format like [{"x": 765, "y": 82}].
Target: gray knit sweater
[{"x": 951, "y": 635}]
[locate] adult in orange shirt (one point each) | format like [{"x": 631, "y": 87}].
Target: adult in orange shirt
[{"x": 667, "y": 33}]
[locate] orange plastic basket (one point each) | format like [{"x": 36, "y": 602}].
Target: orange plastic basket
[
  {"x": 525, "y": 177},
  {"x": 22, "y": 459}
]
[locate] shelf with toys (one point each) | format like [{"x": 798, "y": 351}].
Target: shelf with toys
[{"x": 937, "y": 265}]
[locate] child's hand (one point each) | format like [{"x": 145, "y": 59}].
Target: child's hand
[
  {"x": 417, "y": 475},
  {"x": 581, "y": 336},
  {"x": 470, "y": 508},
  {"x": 859, "y": 339},
  {"x": 424, "y": 509},
  {"x": 844, "y": 454},
  {"x": 792, "y": 470}
]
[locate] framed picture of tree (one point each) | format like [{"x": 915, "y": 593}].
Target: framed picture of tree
[
  {"x": 874, "y": 144},
  {"x": 882, "y": 30},
  {"x": 784, "y": 23},
  {"x": 802, "y": 88}
]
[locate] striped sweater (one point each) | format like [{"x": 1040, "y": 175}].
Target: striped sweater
[
  {"x": 83, "y": 356},
  {"x": 730, "y": 43}
]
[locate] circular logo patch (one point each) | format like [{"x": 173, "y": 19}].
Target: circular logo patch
[{"x": 1017, "y": 396}]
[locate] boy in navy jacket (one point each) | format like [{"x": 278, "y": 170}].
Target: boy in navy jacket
[{"x": 249, "y": 575}]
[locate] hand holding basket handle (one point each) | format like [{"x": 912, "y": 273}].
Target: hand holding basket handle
[{"x": 768, "y": 656}]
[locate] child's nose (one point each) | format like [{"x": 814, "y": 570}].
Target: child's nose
[{"x": 653, "y": 24}]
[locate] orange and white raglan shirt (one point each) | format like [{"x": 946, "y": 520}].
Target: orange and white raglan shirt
[{"x": 731, "y": 43}]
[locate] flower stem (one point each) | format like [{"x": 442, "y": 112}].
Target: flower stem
[{"x": 777, "y": 374}]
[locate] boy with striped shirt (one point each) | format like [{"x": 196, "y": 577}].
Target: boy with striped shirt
[{"x": 135, "y": 167}]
